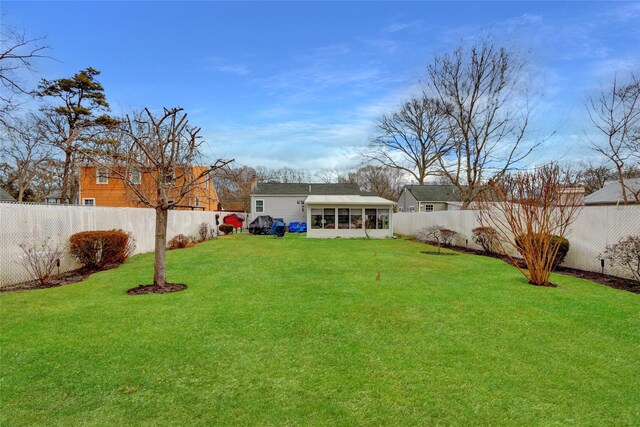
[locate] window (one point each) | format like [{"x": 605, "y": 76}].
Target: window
[
  {"x": 356, "y": 218},
  {"x": 316, "y": 218},
  {"x": 197, "y": 202},
  {"x": 259, "y": 206},
  {"x": 89, "y": 202},
  {"x": 102, "y": 176},
  {"x": 135, "y": 177},
  {"x": 370, "y": 217},
  {"x": 412, "y": 208},
  {"x": 428, "y": 208},
  {"x": 168, "y": 177},
  {"x": 343, "y": 219},
  {"x": 383, "y": 219},
  {"x": 329, "y": 218},
  {"x": 400, "y": 209}
]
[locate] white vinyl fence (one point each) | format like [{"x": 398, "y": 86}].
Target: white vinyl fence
[
  {"x": 26, "y": 223},
  {"x": 594, "y": 228}
]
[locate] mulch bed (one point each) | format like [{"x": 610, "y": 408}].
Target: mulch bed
[
  {"x": 73, "y": 276},
  {"x": 604, "y": 279},
  {"x": 154, "y": 289}
]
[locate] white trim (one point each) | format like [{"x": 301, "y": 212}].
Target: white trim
[
  {"x": 139, "y": 181},
  {"x": 98, "y": 172},
  {"x": 88, "y": 198}
]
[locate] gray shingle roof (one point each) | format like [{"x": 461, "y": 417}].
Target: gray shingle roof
[
  {"x": 434, "y": 193},
  {"x": 611, "y": 193},
  {"x": 6, "y": 197},
  {"x": 270, "y": 188}
]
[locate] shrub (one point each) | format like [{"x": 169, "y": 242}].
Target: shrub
[
  {"x": 487, "y": 237},
  {"x": 436, "y": 234},
  {"x": 40, "y": 259},
  {"x": 556, "y": 241},
  {"x": 180, "y": 241},
  {"x": 96, "y": 249},
  {"x": 626, "y": 254},
  {"x": 226, "y": 228},
  {"x": 205, "y": 231}
]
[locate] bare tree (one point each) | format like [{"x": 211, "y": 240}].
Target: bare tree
[
  {"x": 615, "y": 114},
  {"x": 40, "y": 259},
  {"x": 481, "y": 90},
  {"x": 165, "y": 150},
  {"x": 282, "y": 175},
  {"x": 25, "y": 148},
  {"x": 411, "y": 139},
  {"x": 17, "y": 54},
  {"x": 233, "y": 185},
  {"x": 527, "y": 210}
]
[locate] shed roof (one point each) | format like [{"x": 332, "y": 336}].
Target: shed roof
[
  {"x": 348, "y": 200},
  {"x": 294, "y": 189},
  {"x": 611, "y": 193},
  {"x": 6, "y": 197}
]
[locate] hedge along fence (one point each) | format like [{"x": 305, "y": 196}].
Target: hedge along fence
[
  {"x": 593, "y": 229},
  {"x": 28, "y": 223}
]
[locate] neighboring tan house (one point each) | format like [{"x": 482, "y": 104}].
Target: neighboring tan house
[
  {"x": 611, "y": 193},
  {"x": 287, "y": 201},
  {"x": 429, "y": 198},
  {"x": 97, "y": 188},
  {"x": 6, "y": 197}
]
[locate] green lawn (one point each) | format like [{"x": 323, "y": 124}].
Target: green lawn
[{"x": 299, "y": 331}]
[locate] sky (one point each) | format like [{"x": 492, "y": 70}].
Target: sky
[{"x": 300, "y": 84}]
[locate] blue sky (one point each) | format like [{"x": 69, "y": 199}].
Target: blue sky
[{"x": 300, "y": 84}]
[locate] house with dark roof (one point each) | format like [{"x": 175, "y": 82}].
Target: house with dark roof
[
  {"x": 287, "y": 200},
  {"x": 429, "y": 198},
  {"x": 611, "y": 193}
]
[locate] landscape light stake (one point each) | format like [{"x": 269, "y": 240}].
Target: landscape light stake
[{"x": 602, "y": 265}]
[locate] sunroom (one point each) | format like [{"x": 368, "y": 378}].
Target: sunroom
[{"x": 349, "y": 216}]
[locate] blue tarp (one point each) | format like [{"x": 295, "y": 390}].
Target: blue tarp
[{"x": 278, "y": 228}]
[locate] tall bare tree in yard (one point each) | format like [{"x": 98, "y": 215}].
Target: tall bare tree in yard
[
  {"x": 234, "y": 185},
  {"x": 25, "y": 149},
  {"x": 78, "y": 115},
  {"x": 165, "y": 150},
  {"x": 527, "y": 209},
  {"x": 480, "y": 91},
  {"x": 411, "y": 139},
  {"x": 615, "y": 114},
  {"x": 18, "y": 53}
]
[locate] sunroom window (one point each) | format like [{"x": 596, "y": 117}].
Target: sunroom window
[
  {"x": 343, "y": 219},
  {"x": 329, "y": 218},
  {"x": 356, "y": 218},
  {"x": 316, "y": 218}
]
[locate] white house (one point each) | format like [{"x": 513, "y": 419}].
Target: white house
[
  {"x": 330, "y": 216},
  {"x": 429, "y": 198}
]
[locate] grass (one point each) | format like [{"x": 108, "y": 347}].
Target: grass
[{"x": 299, "y": 331}]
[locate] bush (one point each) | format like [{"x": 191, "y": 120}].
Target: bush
[
  {"x": 436, "y": 234},
  {"x": 205, "y": 231},
  {"x": 560, "y": 242},
  {"x": 180, "y": 241},
  {"x": 40, "y": 260},
  {"x": 226, "y": 228},
  {"x": 96, "y": 249},
  {"x": 487, "y": 237},
  {"x": 626, "y": 254}
]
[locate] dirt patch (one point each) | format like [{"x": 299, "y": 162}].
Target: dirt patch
[
  {"x": 154, "y": 289},
  {"x": 604, "y": 279},
  {"x": 437, "y": 253},
  {"x": 73, "y": 276}
]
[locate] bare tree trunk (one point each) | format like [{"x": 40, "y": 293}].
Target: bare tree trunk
[
  {"x": 623, "y": 188},
  {"x": 64, "y": 188},
  {"x": 160, "y": 262}
]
